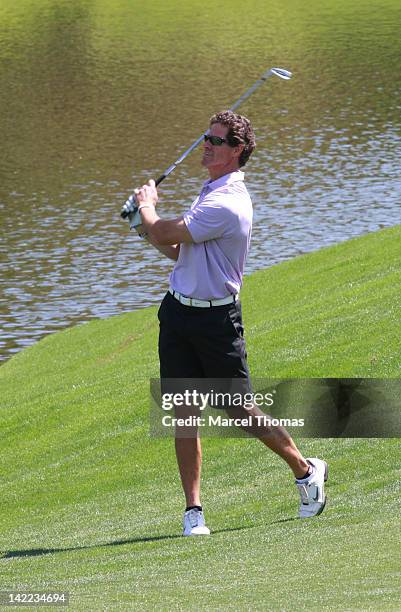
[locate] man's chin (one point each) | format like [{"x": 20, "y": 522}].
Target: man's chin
[{"x": 205, "y": 162}]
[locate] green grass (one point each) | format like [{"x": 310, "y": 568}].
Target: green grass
[{"x": 90, "y": 504}]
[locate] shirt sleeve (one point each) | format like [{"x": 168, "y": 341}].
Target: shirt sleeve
[{"x": 208, "y": 220}]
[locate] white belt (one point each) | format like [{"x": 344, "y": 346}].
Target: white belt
[{"x": 187, "y": 301}]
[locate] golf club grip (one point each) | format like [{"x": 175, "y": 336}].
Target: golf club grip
[{"x": 124, "y": 213}]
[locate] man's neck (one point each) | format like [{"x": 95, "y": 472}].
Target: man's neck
[{"x": 215, "y": 174}]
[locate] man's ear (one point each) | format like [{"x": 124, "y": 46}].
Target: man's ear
[{"x": 238, "y": 149}]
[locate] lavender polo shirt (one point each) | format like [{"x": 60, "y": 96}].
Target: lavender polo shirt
[{"x": 220, "y": 223}]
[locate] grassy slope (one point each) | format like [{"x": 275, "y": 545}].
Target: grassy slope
[{"x": 90, "y": 504}]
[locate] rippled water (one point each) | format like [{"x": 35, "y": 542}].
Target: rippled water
[{"x": 98, "y": 97}]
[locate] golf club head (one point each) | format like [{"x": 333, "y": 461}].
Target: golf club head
[{"x": 280, "y": 72}]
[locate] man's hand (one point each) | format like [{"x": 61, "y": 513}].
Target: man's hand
[
  {"x": 147, "y": 194},
  {"x": 159, "y": 232}
]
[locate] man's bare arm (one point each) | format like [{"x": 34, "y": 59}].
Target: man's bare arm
[
  {"x": 160, "y": 232},
  {"x": 169, "y": 250},
  {"x": 164, "y": 232}
]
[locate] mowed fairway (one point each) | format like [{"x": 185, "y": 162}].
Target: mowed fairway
[{"x": 92, "y": 505}]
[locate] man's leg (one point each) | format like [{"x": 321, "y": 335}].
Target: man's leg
[
  {"x": 189, "y": 458},
  {"x": 276, "y": 438},
  {"x": 178, "y": 362},
  {"x": 279, "y": 441},
  {"x": 310, "y": 474},
  {"x": 188, "y": 451}
]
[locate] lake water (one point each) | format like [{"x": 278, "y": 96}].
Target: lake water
[{"x": 97, "y": 97}]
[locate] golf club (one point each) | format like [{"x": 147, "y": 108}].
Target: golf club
[{"x": 130, "y": 206}]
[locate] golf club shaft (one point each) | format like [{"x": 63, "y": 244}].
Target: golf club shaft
[{"x": 283, "y": 74}]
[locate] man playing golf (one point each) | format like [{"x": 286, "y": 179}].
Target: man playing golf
[{"x": 201, "y": 332}]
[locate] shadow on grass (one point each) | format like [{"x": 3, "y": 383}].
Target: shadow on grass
[
  {"x": 287, "y": 520},
  {"x": 37, "y": 552}
]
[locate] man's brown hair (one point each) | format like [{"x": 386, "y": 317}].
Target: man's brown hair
[{"x": 240, "y": 131}]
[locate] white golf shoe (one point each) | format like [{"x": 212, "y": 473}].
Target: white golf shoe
[
  {"x": 194, "y": 523},
  {"x": 311, "y": 489}
]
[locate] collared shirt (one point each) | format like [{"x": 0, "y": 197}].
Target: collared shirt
[{"x": 220, "y": 223}]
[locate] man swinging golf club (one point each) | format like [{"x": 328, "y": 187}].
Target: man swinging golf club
[{"x": 201, "y": 332}]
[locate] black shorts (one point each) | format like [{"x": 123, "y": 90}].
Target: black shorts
[{"x": 201, "y": 342}]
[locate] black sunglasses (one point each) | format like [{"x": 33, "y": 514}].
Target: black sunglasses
[{"x": 214, "y": 140}]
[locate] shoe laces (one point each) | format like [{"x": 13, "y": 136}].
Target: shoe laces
[
  {"x": 194, "y": 517},
  {"x": 303, "y": 491}
]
